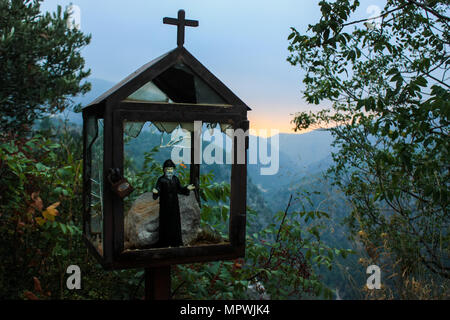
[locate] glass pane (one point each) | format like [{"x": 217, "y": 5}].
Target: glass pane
[
  {"x": 133, "y": 129},
  {"x": 90, "y": 134},
  {"x": 175, "y": 217},
  {"x": 182, "y": 85},
  {"x": 91, "y": 130},
  {"x": 216, "y": 165},
  {"x": 149, "y": 92},
  {"x": 205, "y": 94},
  {"x": 95, "y": 160}
]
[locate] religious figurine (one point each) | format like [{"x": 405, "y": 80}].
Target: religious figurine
[{"x": 167, "y": 189}]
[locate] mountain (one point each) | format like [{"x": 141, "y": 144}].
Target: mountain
[
  {"x": 99, "y": 86},
  {"x": 300, "y": 155},
  {"x": 307, "y": 148}
]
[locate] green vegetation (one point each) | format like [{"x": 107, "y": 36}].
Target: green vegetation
[
  {"x": 387, "y": 82},
  {"x": 388, "y": 183},
  {"x": 41, "y": 66},
  {"x": 41, "y": 235}
]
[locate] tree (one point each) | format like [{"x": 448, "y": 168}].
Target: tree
[
  {"x": 386, "y": 79},
  {"x": 40, "y": 62}
]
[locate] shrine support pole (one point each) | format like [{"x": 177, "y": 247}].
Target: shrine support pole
[{"x": 157, "y": 283}]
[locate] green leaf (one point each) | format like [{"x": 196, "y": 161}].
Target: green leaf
[
  {"x": 40, "y": 167},
  {"x": 392, "y": 71},
  {"x": 421, "y": 81},
  {"x": 63, "y": 228},
  {"x": 308, "y": 255}
]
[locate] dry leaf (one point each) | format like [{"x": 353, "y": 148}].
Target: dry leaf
[
  {"x": 30, "y": 295},
  {"x": 37, "y": 285},
  {"x": 51, "y": 212},
  {"x": 40, "y": 221},
  {"x": 37, "y": 201},
  {"x": 54, "y": 206}
]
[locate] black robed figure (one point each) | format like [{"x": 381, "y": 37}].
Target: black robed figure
[{"x": 167, "y": 189}]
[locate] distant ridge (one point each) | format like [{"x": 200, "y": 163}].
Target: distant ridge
[{"x": 99, "y": 86}]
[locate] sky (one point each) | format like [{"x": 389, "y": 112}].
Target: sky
[{"x": 244, "y": 43}]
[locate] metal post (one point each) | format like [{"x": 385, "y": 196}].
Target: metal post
[{"x": 157, "y": 283}]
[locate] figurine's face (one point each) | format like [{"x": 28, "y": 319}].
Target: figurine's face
[{"x": 169, "y": 172}]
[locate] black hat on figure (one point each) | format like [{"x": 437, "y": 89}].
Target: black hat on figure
[{"x": 168, "y": 164}]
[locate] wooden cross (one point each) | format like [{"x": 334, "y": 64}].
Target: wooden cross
[{"x": 181, "y": 23}]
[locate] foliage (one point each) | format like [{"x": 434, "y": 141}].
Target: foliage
[
  {"x": 40, "y": 63},
  {"x": 386, "y": 79},
  {"x": 37, "y": 174},
  {"x": 40, "y": 234},
  {"x": 41, "y": 189},
  {"x": 281, "y": 258},
  {"x": 279, "y": 264}
]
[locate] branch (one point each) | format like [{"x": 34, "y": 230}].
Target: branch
[
  {"x": 436, "y": 79},
  {"x": 427, "y": 73},
  {"x": 272, "y": 250},
  {"x": 282, "y": 221},
  {"x": 428, "y": 9},
  {"x": 177, "y": 288},
  {"x": 374, "y": 18},
  {"x": 427, "y": 264},
  {"x": 137, "y": 287}
]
